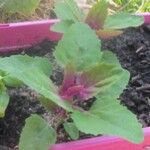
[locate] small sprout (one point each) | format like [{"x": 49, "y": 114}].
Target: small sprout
[
  {"x": 108, "y": 26},
  {"x": 98, "y": 18}
]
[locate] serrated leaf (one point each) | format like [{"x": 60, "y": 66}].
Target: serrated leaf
[
  {"x": 33, "y": 74},
  {"x": 68, "y": 10},
  {"x": 79, "y": 45},
  {"x": 108, "y": 33},
  {"x": 20, "y": 6},
  {"x": 4, "y": 100},
  {"x": 62, "y": 26},
  {"x": 123, "y": 20},
  {"x": 37, "y": 134},
  {"x": 72, "y": 130},
  {"x": 104, "y": 78},
  {"x": 108, "y": 117},
  {"x": 97, "y": 15}
]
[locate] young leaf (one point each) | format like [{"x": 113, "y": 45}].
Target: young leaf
[
  {"x": 97, "y": 15},
  {"x": 108, "y": 117},
  {"x": 23, "y": 62},
  {"x": 20, "y": 6},
  {"x": 42, "y": 64},
  {"x": 47, "y": 103},
  {"x": 4, "y": 100},
  {"x": 30, "y": 71},
  {"x": 106, "y": 79},
  {"x": 72, "y": 130},
  {"x": 123, "y": 20},
  {"x": 79, "y": 45},
  {"x": 68, "y": 10},
  {"x": 62, "y": 26},
  {"x": 109, "y": 58},
  {"x": 37, "y": 134},
  {"x": 44, "y": 86},
  {"x": 11, "y": 82}
]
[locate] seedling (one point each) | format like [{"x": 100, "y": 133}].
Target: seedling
[
  {"x": 105, "y": 25},
  {"x": 89, "y": 73},
  {"x": 90, "y": 76}
]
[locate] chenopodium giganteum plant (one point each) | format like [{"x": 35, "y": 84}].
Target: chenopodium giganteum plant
[{"x": 91, "y": 77}]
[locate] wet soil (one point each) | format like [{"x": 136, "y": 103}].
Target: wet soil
[{"x": 133, "y": 51}]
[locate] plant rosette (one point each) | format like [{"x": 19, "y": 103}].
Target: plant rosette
[{"x": 91, "y": 76}]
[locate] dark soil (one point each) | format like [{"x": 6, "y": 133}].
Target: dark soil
[
  {"x": 132, "y": 49},
  {"x": 23, "y": 102}
]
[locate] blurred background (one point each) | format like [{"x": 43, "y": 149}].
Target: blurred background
[{"x": 27, "y": 10}]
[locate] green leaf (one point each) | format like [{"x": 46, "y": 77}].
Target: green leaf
[
  {"x": 79, "y": 45},
  {"x": 68, "y": 10},
  {"x": 37, "y": 134},
  {"x": 123, "y": 20},
  {"x": 72, "y": 130},
  {"x": 41, "y": 63},
  {"x": 109, "y": 58},
  {"x": 121, "y": 76},
  {"x": 32, "y": 72},
  {"x": 11, "y": 82},
  {"x": 23, "y": 62},
  {"x": 106, "y": 79},
  {"x": 4, "y": 100},
  {"x": 97, "y": 15},
  {"x": 108, "y": 117},
  {"x": 47, "y": 103},
  {"x": 62, "y": 26},
  {"x": 44, "y": 86},
  {"x": 20, "y": 6}
]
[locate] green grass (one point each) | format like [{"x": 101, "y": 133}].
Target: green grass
[{"x": 133, "y": 5}]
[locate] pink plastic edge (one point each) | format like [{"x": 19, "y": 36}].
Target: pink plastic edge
[
  {"x": 14, "y": 36},
  {"x": 146, "y": 16},
  {"x": 105, "y": 143}
]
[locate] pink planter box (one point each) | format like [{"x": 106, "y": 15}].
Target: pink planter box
[
  {"x": 105, "y": 143},
  {"x": 146, "y": 17},
  {"x": 22, "y": 35}
]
